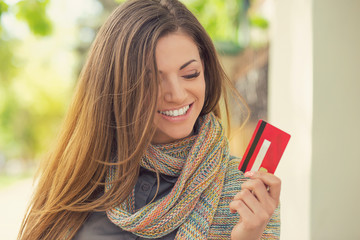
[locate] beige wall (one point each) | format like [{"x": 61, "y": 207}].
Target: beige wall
[
  {"x": 290, "y": 108},
  {"x": 335, "y": 178},
  {"x": 314, "y": 93}
]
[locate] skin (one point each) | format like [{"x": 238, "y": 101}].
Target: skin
[
  {"x": 182, "y": 84},
  {"x": 255, "y": 203}
]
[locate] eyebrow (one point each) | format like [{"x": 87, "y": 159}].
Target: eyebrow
[{"x": 187, "y": 63}]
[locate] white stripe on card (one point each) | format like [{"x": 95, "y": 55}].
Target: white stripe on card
[{"x": 260, "y": 157}]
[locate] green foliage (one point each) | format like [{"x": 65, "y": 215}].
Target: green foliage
[
  {"x": 34, "y": 13},
  {"x": 3, "y": 7},
  {"x": 28, "y": 112},
  {"x": 220, "y": 18},
  {"x": 30, "y": 115},
  {"x": 7, "y": 66},
  {"x": 258, "y": 21}
]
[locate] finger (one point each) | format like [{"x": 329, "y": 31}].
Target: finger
[
  {"x": 251, "y": 201},
  {"x": 241, "y": 208},
  {"x": 258, "y": 188},
  {"x": 273, "y": 182},
  {"x": 260, "y": 192},
  {"x": 262, "y": 209}
]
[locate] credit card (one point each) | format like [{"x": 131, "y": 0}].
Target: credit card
[{"x": 265, "y": 148}]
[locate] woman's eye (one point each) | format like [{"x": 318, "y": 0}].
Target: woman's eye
[{"x": 194, "y": 75}]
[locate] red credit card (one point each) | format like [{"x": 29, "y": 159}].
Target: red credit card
[{"x": 265, "y": 149}]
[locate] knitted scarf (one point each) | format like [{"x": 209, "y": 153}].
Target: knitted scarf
[{"x": 200, "y": 163}]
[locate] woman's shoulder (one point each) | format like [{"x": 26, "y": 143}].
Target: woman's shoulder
[
  {"x": 233, "y": 175},
  {"x": 98, "y": 226},
  {"x": 234, "y": 160},
  {"x": 224, "y": 220},
  {"x": 233, "y": 179}
]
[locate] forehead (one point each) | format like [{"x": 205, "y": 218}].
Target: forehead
[{"x": 175, "y": 49}]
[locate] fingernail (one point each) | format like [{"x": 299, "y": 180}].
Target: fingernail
[{"x": 249, "y": 174}]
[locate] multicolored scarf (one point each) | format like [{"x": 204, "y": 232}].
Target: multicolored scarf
[{"x": 200, "y": 163}]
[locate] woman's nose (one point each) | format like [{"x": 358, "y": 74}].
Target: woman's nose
[{"x": 173, "y": 90}]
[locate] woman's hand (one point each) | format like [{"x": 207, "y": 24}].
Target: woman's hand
[{"x": 255, "y": 203}]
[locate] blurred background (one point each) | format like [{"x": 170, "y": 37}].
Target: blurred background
[{"x": 296, "y": 63}]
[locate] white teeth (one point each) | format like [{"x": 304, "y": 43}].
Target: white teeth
[{"x": 175, "y": 113}]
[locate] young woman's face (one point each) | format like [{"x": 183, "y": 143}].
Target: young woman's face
[{"x": 182, "y": 87}]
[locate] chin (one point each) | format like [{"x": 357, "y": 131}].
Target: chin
[{"x": 183, "y": 135}]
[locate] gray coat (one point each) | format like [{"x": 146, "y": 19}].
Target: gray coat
[{"x": 97, "y": 225}]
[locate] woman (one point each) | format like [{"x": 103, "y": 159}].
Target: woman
[{"x": 142, "y": 153}]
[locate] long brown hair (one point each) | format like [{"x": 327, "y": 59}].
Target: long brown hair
[{"x": 110, "y": 120}]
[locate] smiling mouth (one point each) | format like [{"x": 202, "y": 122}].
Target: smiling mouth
[{"x": 178, "y": 112}]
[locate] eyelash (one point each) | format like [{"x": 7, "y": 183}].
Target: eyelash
[{"x": 194, "y": 75}]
